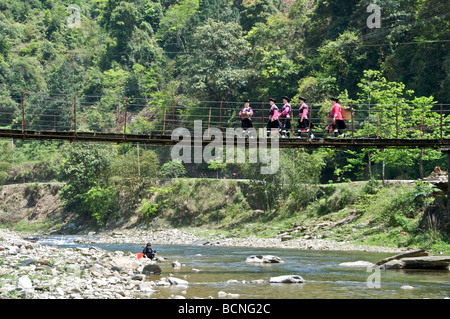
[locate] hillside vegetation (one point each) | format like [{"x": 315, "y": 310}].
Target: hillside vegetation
[
  {"x": 397, "y": 215},
  {"x": 220, "y": 50}
]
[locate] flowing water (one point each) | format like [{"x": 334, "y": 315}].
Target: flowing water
[{"x": 325, "y": 278}]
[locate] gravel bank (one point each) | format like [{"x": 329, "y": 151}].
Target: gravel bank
[{"x": 184, "y": 237}]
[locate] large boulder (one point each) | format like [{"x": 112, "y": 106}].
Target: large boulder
[
  {"x": 125, "y": 263},
  {"x": 177, "y": 281},
  {"x": 424, "y": 262},
  {"x": 288, "y": 279},
  {"x": 151, "y": 268},
  {"x": 24, "y": 282},
  {"x": 416, "y": 259},
  {"x": 264, "y": 259},
  {"x": 393, "y": 264},
  {"x": 414, "y": 253}
]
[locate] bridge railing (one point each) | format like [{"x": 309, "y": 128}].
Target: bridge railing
[{"x": 63, "y": 112}]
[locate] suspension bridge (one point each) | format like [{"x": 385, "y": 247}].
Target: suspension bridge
[
  {"x": 99, "y": 119},
  {"x": 35, "y": 116}
]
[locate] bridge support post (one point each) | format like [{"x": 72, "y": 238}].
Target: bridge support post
[
  {"x": 75, "y": 112},
  {"x": 446, "y": 214},
  {"x": 447, "y": 217},
  {"x": 262, "y": 114},
  {"x": 23, "y": 114},
  {"x": 220, "y": 116},
  {"x": 164, "y": 120},
  {"x": 126, "y": 115}
]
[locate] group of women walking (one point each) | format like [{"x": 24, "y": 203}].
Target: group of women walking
[{"x": 280, "y": 120}]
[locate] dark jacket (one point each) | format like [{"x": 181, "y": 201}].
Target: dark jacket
[{"x": 149, "y": 252}]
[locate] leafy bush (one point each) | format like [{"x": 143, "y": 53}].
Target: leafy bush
[
  {"x": 407, "y": 224},
  {"x": 409, "y": 202},
  {"x": 372, "y": 186},
  {"x": 101, "y": 203},
  {"x": 82, "y": 168},
  {"x": 173, "y": 169},
  {"x": 148, "y": 209},
  {"x": 4, "y": 167}
]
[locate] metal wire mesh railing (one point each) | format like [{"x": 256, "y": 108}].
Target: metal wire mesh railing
[{"x": 65, "y": 113}]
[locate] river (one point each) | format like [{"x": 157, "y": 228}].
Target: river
[{"x": 221, "y": 267}]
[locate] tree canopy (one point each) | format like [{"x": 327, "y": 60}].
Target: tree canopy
[{"x": 224, "y": 50}]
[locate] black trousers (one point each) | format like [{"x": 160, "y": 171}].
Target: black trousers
[
  {"x": 246, "y": 123},
  {"x": 304, "y": 125},
  {"x": 285, "y": 123}
]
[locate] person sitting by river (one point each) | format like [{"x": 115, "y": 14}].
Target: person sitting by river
[{"x": 149, "y": 252}]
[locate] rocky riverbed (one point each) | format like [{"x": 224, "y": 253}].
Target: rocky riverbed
[{"x": 31, "y": 270}]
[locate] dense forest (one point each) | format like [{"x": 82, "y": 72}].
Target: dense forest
[
  {"x": 216, "y": 50},
  {"x": 193, "y": 51}
]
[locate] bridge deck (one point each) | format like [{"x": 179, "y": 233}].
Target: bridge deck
[{"x": 159, "y": 139}]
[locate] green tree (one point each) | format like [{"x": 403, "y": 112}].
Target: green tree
[
  {"x": 317, "y": 89},
  {"x": 173, "y": 169},
  {"x": 300, "y": 172},
  {"x": 6, "y": 158},
  {"x": 114, "y": 83},
  {"x": 143, "y": 48},
  {"x": 219, "y": 10},
  {"x": 215, "y": 69},
  {"x": 386, "y": 108},
  {"x": 254, "y": 12},
  {"x": 134, "y": 163},
  {"x": 83, "y": 167},
  {"x": 343, "y": 59},
  {"x": 101, "y": 203},
  {"x": 217, "y": 166},
  {"x": 274, "y": 66},
  {"x": 153, "y": 13},
  {"x": 175, "y": 23},
  {"x": 123, "y": 20},
  {"x": 130, "y": 171},
  {"x": 418, "y": 51}
]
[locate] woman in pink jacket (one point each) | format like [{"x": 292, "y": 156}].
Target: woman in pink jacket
[
  {"x": 303, "y": 121},
  {"x": 285, "y": 117},
  {"x": 336, "y": 119},
  {"x": 274, "y": 122}
]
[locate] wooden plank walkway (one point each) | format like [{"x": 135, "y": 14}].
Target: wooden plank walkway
[{"x": 159, "y": 139}]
